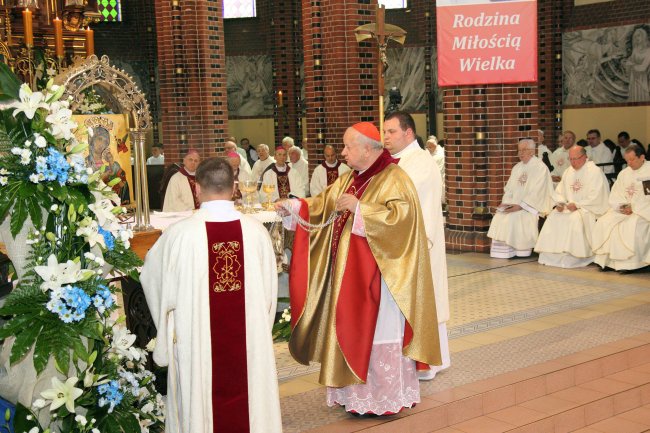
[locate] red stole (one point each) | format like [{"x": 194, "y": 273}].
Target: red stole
[
  {"x": 358, "y": 302},
  {"x": 192, "y": 181},
  {"x": 284, "y": 188},
  {"x": 228, "y": 327},
  {"x": 331, "y": 173}
]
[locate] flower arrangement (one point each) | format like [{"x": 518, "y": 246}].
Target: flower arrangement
[
  {"x": 63, "y": 310},
  {"x": 282, "y": 328}
]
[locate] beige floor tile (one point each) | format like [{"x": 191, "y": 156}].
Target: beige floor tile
[
  {"x": 488, "y": 337},
  {"x": 619, "y": 425},
  {"x": 537, "y": 325},
  {"x": 517, "y": 415},
  {"x": 549, "y": 405},
  {"x": 512, "y": 331},
  {"x": 461, "y": 344},
  {"x": 296, "y": 387},
  {"x": 484, "y": 424}
]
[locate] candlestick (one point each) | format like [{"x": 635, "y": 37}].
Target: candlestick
[
  {"x": 58, "y": 36},
  {"x": 27, "y": 24},
  {"x": 279, "y": 98},
  {"x": 90, "y": 42}
]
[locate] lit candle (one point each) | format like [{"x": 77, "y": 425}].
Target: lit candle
[
  {"x": 58, "y": 37},
  {"x": 279, "y": 98},
  {"x": 90, "y": 42},
  {"x": 27, "y": 24}
]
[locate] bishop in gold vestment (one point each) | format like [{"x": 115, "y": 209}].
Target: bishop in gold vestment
[{"x": 361, "y": 289}]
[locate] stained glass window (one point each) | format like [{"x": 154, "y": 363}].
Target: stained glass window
[
  {"x": 110, "y": 10},
  {"x": 239, "y": 8},
  {"x": 393, "y": 4}
]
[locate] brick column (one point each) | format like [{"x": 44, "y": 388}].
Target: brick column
[
  {"x": 192, "y": 76},
  {"x": 340, "y": 74},
  {"x": 286, "y": 53},
  {"x": 483, "y": 125},
  {"x": 549, "y": 29}
]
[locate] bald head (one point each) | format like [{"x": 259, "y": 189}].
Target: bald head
[{"x": 360, "y": 151}]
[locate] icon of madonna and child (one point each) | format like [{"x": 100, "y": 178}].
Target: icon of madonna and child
[{"x": 102, "y": 155}]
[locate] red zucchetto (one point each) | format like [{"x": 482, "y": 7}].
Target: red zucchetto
[{"x": 368, "y": 129}]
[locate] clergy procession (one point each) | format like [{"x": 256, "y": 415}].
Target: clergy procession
[{"x": 324, "y": 216}]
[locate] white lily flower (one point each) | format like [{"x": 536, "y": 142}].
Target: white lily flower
[
  {"x": 151, "y": 345},
  {"x": 103, "y": 210},
  {"x": 25, "y": 156},
  {"x": 61, "y": 123},
  {"x": 57, "y": 274},
  {"x": 62, "y": 393},
  {"x": 122, "y": 344},
  {"x": 29, "y": 102},
  {"x": 3, "y": 180},
  {"x": 91, "y": 234},
  {"x": 35, "y": 177}
]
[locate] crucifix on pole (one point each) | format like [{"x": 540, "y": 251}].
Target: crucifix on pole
[{"x": 383, "y": 33}]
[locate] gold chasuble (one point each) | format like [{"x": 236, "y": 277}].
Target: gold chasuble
[{"x": 396, "y": 242}]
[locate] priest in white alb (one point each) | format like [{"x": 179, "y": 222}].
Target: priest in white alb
[
  {"x": 180, "y": 194},
  {"x": 400, "y": 141},
  {"x": 327, "y": 172},
  {"x": 299, "y": 166},
  {"x": 527, "y": 195},
  {"x": 211, "y": 284},
  {"x": 580, "y": 198},
  {"x": 598, "y": 152},
  {"x": 560, "y": 157},
  {"x": 622, "y": 236},
  {"x": 286, "y": 180},
  {"x": 263, "y": 162}
]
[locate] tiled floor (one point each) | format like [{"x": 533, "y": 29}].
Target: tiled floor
[{"x": 509, "y": 319}]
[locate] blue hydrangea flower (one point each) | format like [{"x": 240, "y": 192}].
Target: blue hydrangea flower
[
  {"x": 70, "y": 303},
  {"x": 109, "y": 240},
  {"x": 56, "y": 167},
  {"x": 110, "y": 395}
]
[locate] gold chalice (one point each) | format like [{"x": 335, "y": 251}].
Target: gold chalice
[
  {"x": 248, "y": 189},
  {"x": 268, "y": 188}
]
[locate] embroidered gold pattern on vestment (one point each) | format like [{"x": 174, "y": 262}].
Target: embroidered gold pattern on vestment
[{"x": 226, "y": 267}]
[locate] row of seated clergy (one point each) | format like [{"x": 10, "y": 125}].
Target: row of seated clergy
[{"x": 590, "y": 224}]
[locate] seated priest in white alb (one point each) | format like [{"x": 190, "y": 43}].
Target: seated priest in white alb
[
  {"x": 263, "y": 162},
  {"x": 560, "y": 157},
  {"x": 284, "y": 178},
  {"x": 580, "y": 198},
  {"x": 527, "y": 194},
  {"x": 598, "y": 152},
  {"x": 181, "y": 190},
  {"x": 327, "y": 172},
  {"x": 231, "y": 146},
  {"x": 234, "y": 159},
  {"x": 300, "y": 166},
  {"x": 622, "y": 236},
  {"x": 211, "y": 285}
]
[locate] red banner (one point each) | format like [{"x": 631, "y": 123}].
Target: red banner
[{"x": 486, "y": 41}]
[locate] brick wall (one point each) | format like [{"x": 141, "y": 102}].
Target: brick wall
[
  {"x": 617, "y": 12},
  {"x": 192, "y": 76}
]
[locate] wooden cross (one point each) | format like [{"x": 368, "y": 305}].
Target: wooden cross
[{"x": 383, "y": 33}]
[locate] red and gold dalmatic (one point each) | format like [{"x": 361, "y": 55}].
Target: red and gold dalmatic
[
  {"x": 284, "y": 187},
  {"x": 332, "y": 173},
  {"x": 335, "y": 276}
]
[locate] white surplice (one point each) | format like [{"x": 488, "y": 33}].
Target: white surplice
[
  {"x": 600, "y": 155},
  {"x": 622, "y": 242},
  {"x": 319, "y": 177},
  {"x": 175, "y": 280},
  {"x": 301, "y": 168},
  {"x": 529, "y": 186},
  {"x": 260, "y": 166},
  {"x": 178, "y": 196},
  {"x": 560, "y": 161},
  {"x": 421, "y": 168},
  {"x": 565, "y": 240}
]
